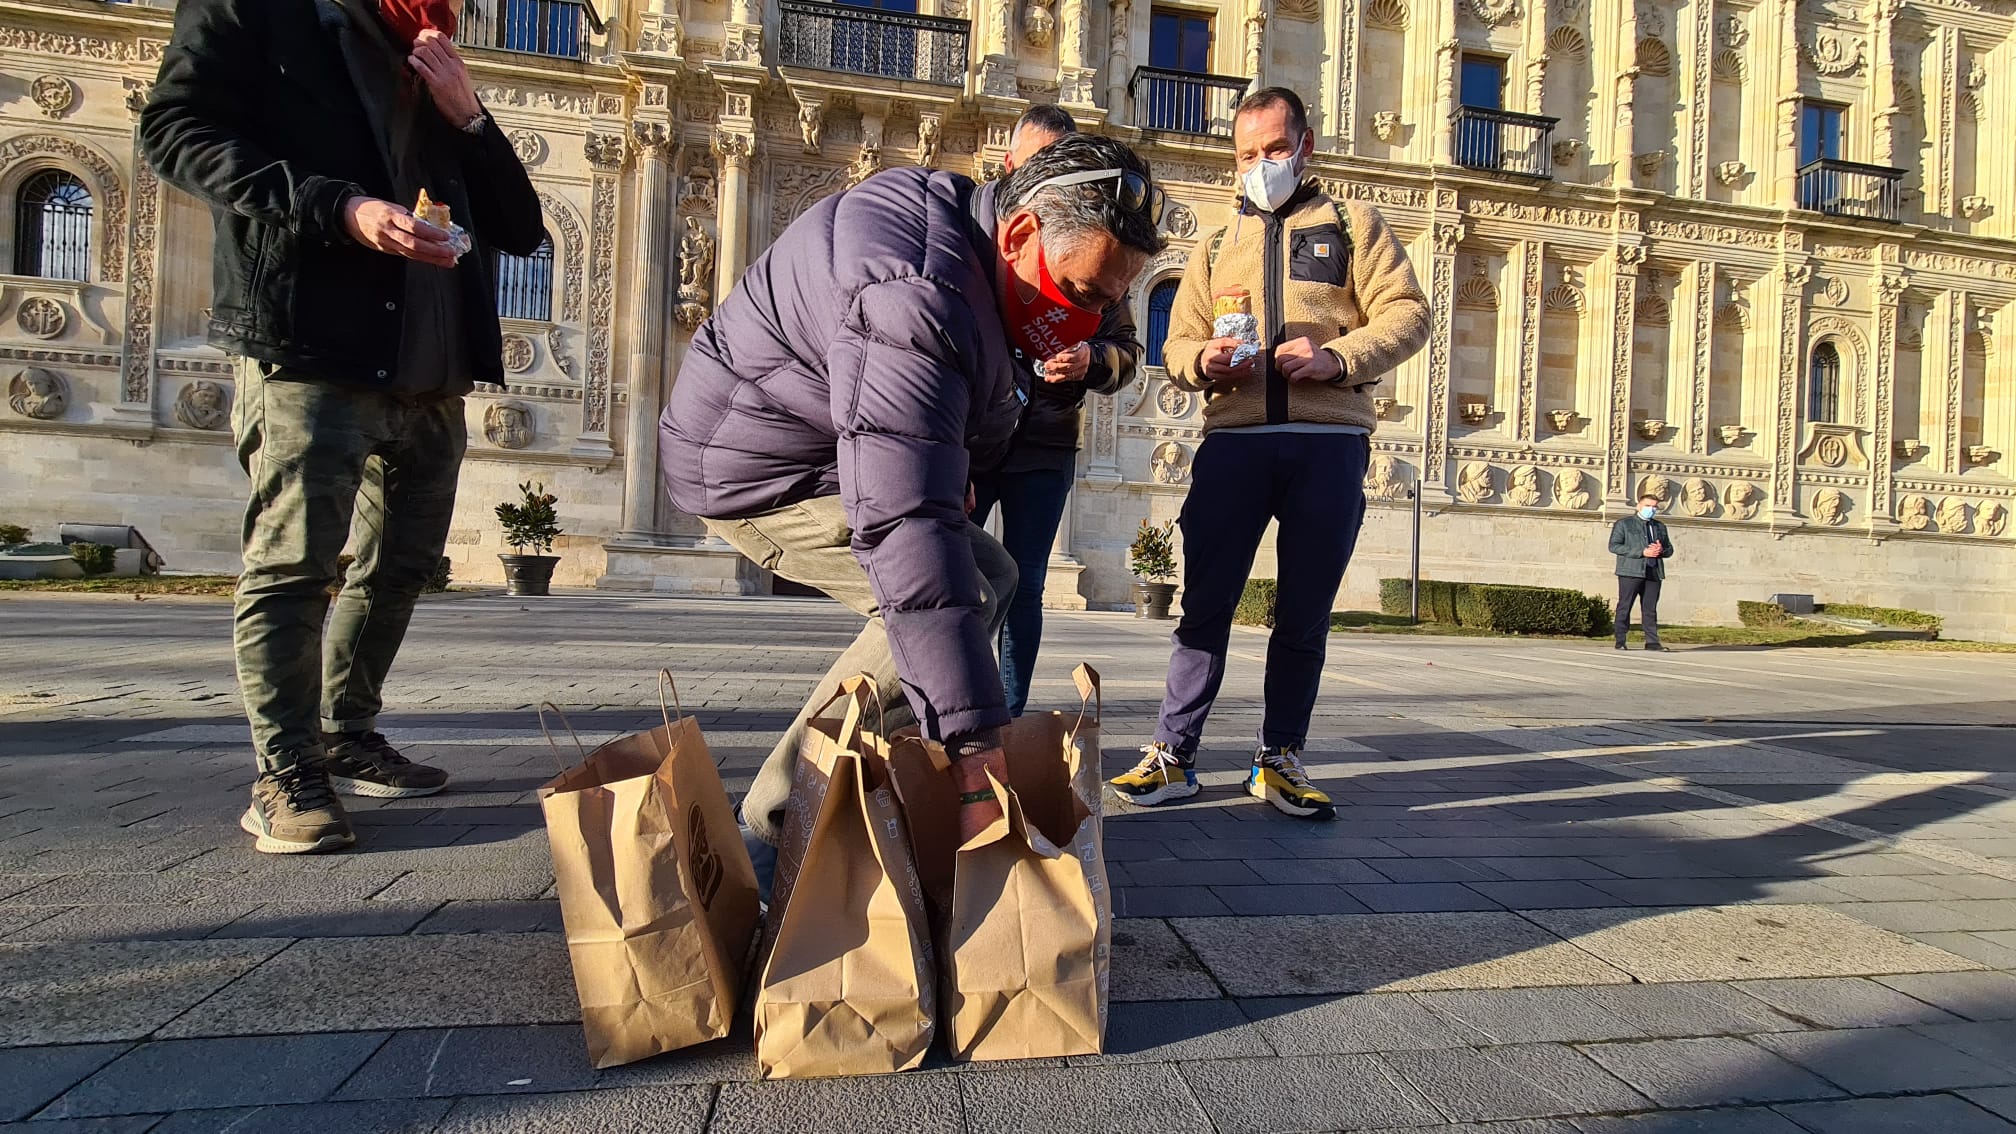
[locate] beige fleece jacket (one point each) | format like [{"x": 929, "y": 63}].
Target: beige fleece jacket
[{"x": 1361, "y": 303}]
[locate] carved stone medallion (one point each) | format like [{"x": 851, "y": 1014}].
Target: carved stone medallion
[
  {"x": 1743, "y": 499},
  {"x": 1172, "y": 400},
  {"x": 37, "y": 393},
  {"x": 529, "y": 146},
  {"x": 53, "y": 93},
  {"x": 1953, "y": 515},
  {"x": 42, "y": 317},
  {"x": 1830, "y": 507},
  {"x": 508, "y": 424},
  {"x": 1914, "y": 514},
  {"x": 517, "y": 353},
  {"x": 203, "y": 405}
]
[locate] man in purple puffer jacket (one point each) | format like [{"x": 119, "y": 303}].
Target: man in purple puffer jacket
[{"x": 829, "y": 417}]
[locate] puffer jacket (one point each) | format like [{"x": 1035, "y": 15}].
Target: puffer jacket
[
  {"x": 1348, "y": 287},
  {"x": 862, "y": 355}
]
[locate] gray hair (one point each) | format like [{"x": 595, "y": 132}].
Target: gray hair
[{"x": 1069, "y": 212}]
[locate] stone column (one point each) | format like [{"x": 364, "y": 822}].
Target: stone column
[
  {"x": 647, "y": 341},
  {"x": 135, "y": 407},
  {"x": 1949, "y": 314},
  {"x": 1448, "y": 236},
  {"x": 1883, "y": 89},
  {"x": 1119, "y": 65},
  {"x": 606, "y": 154},
  {"x": 1700, "y": 101},
  {"x": 1529, "y": 262},
  {"x": 1696, "y": 309},
  {"x": 1624, "y": 267},
  {"x": 1790, "y": 334},
  {"x": 1447, "y": 57},
  {"x": 1076, "y": 74},
  {"x": 1344, "y": 74},
  {"x": 1891, "y": 281},
  {"x": 1785, "y": 155},
  {"x": 735, "y": 150},
  {"x": 1060, "y": 584},
  {"x": 1941, "y": 115},
  {"x": 1256, "y": 42}
]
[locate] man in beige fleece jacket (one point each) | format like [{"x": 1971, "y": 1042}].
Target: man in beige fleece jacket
[{"x": 1287, "y": 437}]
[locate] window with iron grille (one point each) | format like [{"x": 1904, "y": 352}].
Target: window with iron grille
[
  {"x": 1161, "y": 298},
  {"x": 1823, "y": 384},
  {"x": 52, "y": 227},
  {"x": 525, "y": 284}
]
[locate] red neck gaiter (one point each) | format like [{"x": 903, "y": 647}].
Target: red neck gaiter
[{"x": 408, "y": 18}]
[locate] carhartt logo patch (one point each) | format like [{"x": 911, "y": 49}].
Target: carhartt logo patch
[{"x": 1323, "y": 249}]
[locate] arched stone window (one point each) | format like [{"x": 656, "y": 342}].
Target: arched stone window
[
  {"x": 52, "y": 227},
  {"x": 525, "y": 284},
  {"x": 1161, "y": 299},
  {"x": 1823, "y": 383}
]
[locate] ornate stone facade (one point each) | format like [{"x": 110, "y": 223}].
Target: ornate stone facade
[{"x": 1587, "y": 338}]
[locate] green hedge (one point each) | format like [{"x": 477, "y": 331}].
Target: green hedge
[
  {"x": 1885, "y": 616},
  {"x": 1504, "y": 608},
  {"x": 11, "y": 534},
  {"x": 95, "y": 558},
  {"x": 1256, "y": 603},
  {"x": 439, "y": 580},
  {"x": 1762, "y": 615}
]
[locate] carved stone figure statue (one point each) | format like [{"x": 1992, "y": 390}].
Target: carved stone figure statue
[
  {"x": 37, "y": 393},
  {"x": 1830, "y": 507},
  {"x": 1743, "y": 499},
  {"x": 928, "y": 141},
  {"x": 1525, "y": 488},
  {"x": 1914, "y": 514},
  {"x": 203, "y": 405},
  {"x": 808, "y": 127},
  {"x": 1659, "y": 487},
  {"x": 1698, "y": 497},
  {"x": 1571, "y": 490},
  {"x": 1383, "y": 480},
  {"x": 1473, "y": 483},
  {"x": 1170, "y": 463},
  {"x": 508, "y": 425},
  {"x": 1952, "y": 515},
  {"x": 696, "y": 261},
  {"x": 1994, "y": 519}
]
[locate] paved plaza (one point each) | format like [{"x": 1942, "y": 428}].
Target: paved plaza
[{"x": 1569, "y": 890}]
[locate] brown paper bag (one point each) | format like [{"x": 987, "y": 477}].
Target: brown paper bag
[
  {"x": 1024, "y": 916},
  {"x": 656, "y": 890},
  {"x": 847, "y": 987}
]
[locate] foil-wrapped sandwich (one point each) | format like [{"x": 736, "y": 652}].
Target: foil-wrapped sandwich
[
  {"x": 1232, "y": 318},
  {"x": 438, "y": 215}
]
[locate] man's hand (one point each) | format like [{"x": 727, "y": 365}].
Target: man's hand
[
  {"x": 969, "y": 774},
  {"x": 1654, "y": 550},
  {"x": 393, "y": 229},
  {"x": 1302, "y": 360},
  {"x": 972, "y": 498},
  {"x": 1069, "y": 365},
  {"x": 435, "y": 61},
  {"x": 1217, "y": 361}
]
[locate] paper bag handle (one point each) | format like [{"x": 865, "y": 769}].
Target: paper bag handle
[
  {"x": 1089, "y": 691},
  {"x": 854, "y": 689},
  {"x": 568, "y": 725},
  {"x": 665, "y": 682}
]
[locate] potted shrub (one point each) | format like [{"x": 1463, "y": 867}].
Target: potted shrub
[
  {"x": 1152, "y": 556},
  {"x": 531, "y": 523}
]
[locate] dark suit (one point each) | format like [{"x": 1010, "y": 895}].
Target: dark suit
[{"x": 1639, "y": 578}]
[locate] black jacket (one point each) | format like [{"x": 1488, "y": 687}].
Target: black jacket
[
  {"x": 255, "y": 114},
  {"x": 1048, "y": 433}
]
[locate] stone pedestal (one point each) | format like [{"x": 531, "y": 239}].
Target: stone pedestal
[{"x": 687, "y": 569}]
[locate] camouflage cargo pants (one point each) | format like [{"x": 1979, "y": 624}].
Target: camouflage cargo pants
[{"x": 330, "y": 467}]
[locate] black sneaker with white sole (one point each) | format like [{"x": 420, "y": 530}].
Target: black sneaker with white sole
[{"x": 362, "y": 763}]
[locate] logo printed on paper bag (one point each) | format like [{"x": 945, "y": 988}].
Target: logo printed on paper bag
[{"x": 706, "y": 865}]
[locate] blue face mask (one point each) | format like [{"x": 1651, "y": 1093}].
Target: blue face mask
[{"x": 1647, "y": 513}]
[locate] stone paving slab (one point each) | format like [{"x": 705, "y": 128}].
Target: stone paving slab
[
  {"x": 1387, "y": 952},
  {"x": 30, "y": 1077},
  {"x": 925, "y": 1104},
  {"x": 1943, "y": 1113},
  {"x": 362, "y": 983},
  {"x": 1274, "y": 1096},
  {"x": 95, "y": 992},
  {"x": 1709, "y": 1072},
  {"x": 1135, "y": 1099},
  {"x": 643, "y": 1110},
  {"x": 182, "y": 1074},
  {"x": 409, "y": 1116},
  {"x": 1744, "y": 943},
  {"x": 1885, "y": 1061},
  {"x": 1539, "y": 1081}
]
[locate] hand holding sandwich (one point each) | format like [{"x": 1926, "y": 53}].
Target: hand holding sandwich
[{"x": 393, "y": 229}]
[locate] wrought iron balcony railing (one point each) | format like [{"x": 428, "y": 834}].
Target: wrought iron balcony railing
[
  {"x": 1850, "y": 189},
  {"x": 1503, "y": 142},
  {"x": 869, "y": 41},
  {"x": 557, "y": 28},
  {"x": 1184, "y": 102}
]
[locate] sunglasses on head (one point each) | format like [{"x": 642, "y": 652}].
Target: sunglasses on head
[{"x": 1135, "y": 193}]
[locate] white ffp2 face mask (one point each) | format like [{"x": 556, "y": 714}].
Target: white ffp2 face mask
[{"x": 1271, "y": 181}]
